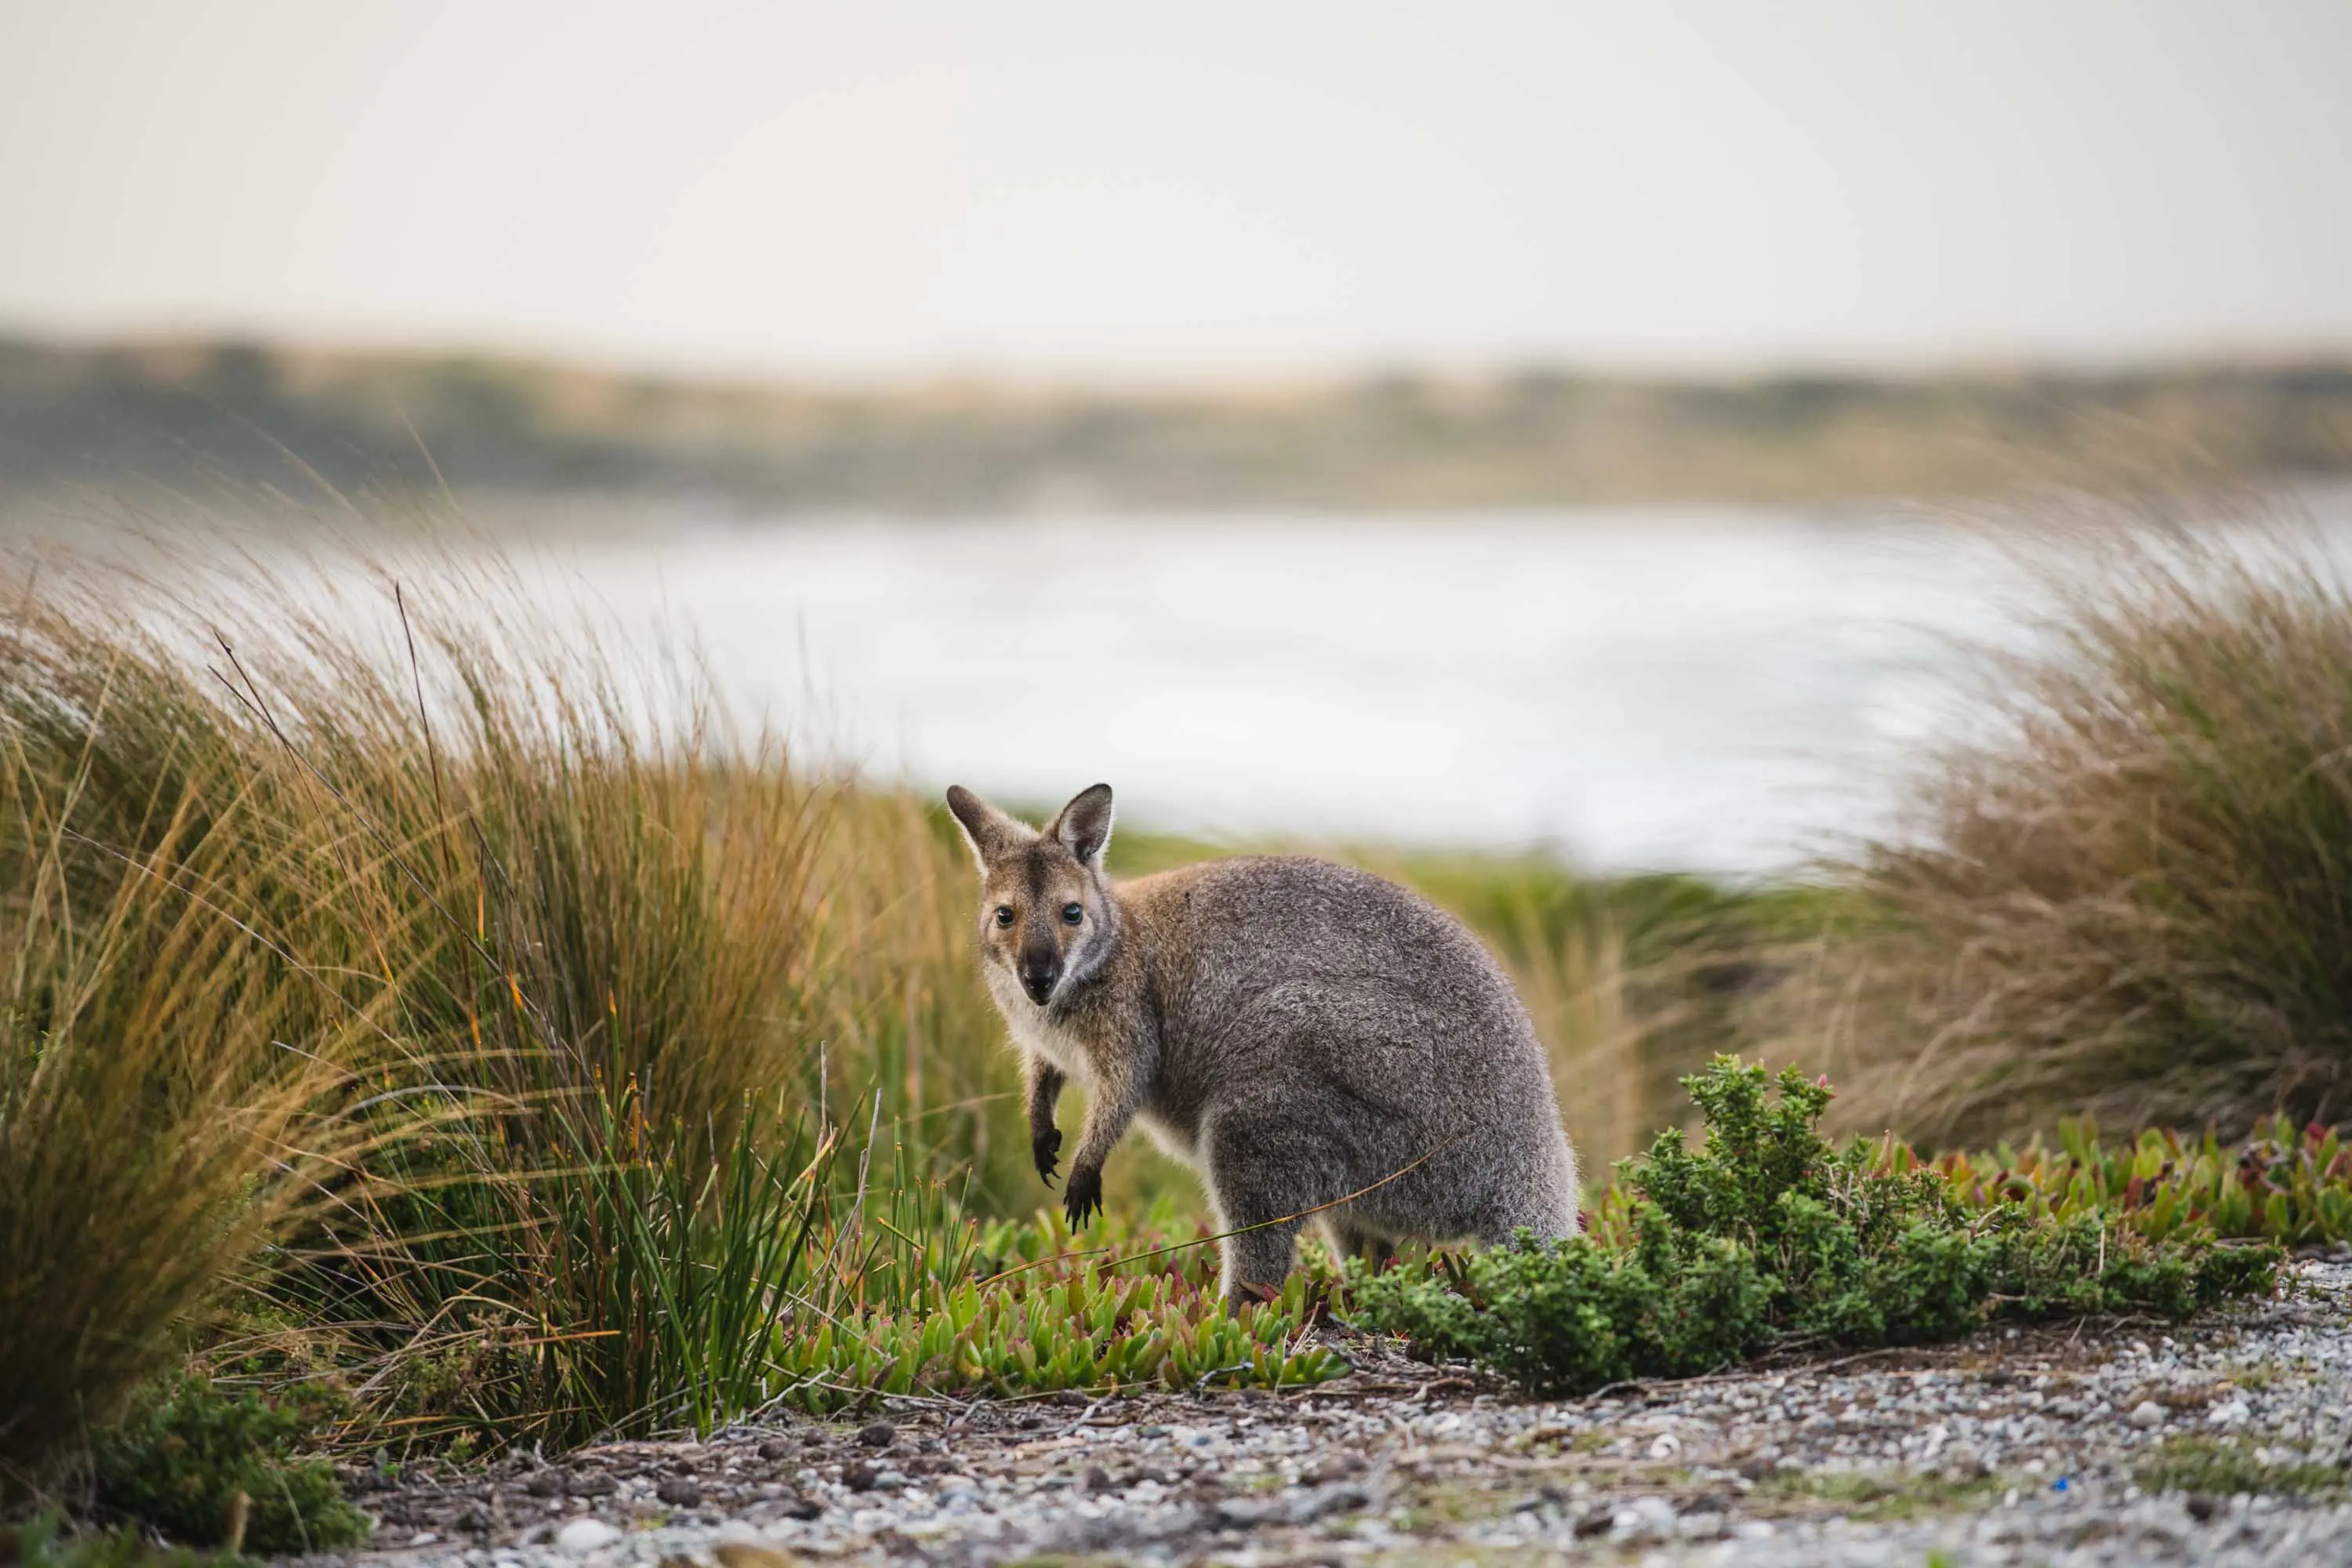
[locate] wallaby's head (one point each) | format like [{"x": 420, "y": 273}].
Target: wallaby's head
[{"x": 1045, "y": 913}]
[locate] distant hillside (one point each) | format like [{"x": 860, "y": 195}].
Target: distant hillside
[{"x": 191, "y": 415}]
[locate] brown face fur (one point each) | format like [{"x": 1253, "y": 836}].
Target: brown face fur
[
  {"x": 1045, "y": 913},
  {"x": 1026, "y": 902}
]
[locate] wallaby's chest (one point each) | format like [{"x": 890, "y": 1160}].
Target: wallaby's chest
[
  {"x": 1069, "y": 1044},
  {"x": 1077, "y": 1043}
]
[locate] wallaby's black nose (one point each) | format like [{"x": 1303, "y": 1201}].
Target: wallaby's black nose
[{"x": 1037, "y": 977}]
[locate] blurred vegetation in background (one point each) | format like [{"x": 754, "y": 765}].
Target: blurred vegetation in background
[{"x": 189, "y": 417}]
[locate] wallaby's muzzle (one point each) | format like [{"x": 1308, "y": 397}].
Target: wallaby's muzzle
[{"x": 1038, "y": 974}]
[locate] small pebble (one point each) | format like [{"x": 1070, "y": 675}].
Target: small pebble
[
  {"x": 1964, "y": 1464},
  {"x": 1336, "y": 1467},
  {"x": 750, "y": 1554},
  {"x": 583, "y": 1536},
  {"x": 2147, "y": 1413}
]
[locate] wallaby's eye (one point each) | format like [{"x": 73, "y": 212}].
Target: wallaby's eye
[
  {"x": 1072, "y": 913},
  {"x": 1003, "y": 914}
]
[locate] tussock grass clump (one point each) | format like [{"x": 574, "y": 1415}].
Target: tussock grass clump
[
  {"x": 2125, "y": 894},
  {"x": 166, "y": 1107},
  {"x": 428, "y": 994},
  {"x": 1768, "y": 1237}
]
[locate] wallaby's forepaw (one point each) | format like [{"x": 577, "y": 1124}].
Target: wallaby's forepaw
[
  {"x": 1082, "y": 1195},
  {"x": 1046, "y": 1148}
]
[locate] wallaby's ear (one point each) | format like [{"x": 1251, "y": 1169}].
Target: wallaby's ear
[
  {"x": 989, "y": 831},
  {"x": 1084, "y": 825}
]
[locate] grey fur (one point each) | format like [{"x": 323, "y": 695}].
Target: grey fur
[{"x": 1294, "y": 1030}]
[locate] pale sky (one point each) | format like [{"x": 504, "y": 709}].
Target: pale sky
[{"x": 871, "y": 189}]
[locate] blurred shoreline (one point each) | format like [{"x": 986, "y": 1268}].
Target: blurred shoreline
[{"x": 219, "y": 421}]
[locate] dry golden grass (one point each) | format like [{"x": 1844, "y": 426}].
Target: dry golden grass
[
  {"x": 2130, "y": 893},
  {"x": 164, "y": 1109}
]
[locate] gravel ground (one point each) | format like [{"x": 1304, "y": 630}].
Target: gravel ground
[{"x": 2021, "y": 1447}]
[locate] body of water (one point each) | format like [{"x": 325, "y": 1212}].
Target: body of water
[{"x": 1725, "y": 688}]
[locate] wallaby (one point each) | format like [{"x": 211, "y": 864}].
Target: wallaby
[{"x": 1301, "y": 1034}]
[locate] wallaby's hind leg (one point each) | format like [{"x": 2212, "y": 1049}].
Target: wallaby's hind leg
[
  {"x": 1254, "y": 1264},
  {"x": 1258, "y": 1182}
]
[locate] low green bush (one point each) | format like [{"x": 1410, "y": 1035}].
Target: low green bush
[
  {"x": 1769, "y": 1237},
  {"x": 179, "y": 1468}
]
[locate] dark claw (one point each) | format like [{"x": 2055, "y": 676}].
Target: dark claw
[
  {"x": 1044, "y": 1145},
  {"x": 1082, "y": 1195}
]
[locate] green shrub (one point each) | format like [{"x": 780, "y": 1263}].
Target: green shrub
[
  {"x": 1768, "y": 1237},
  {"x": 179, "y": 1468}
]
